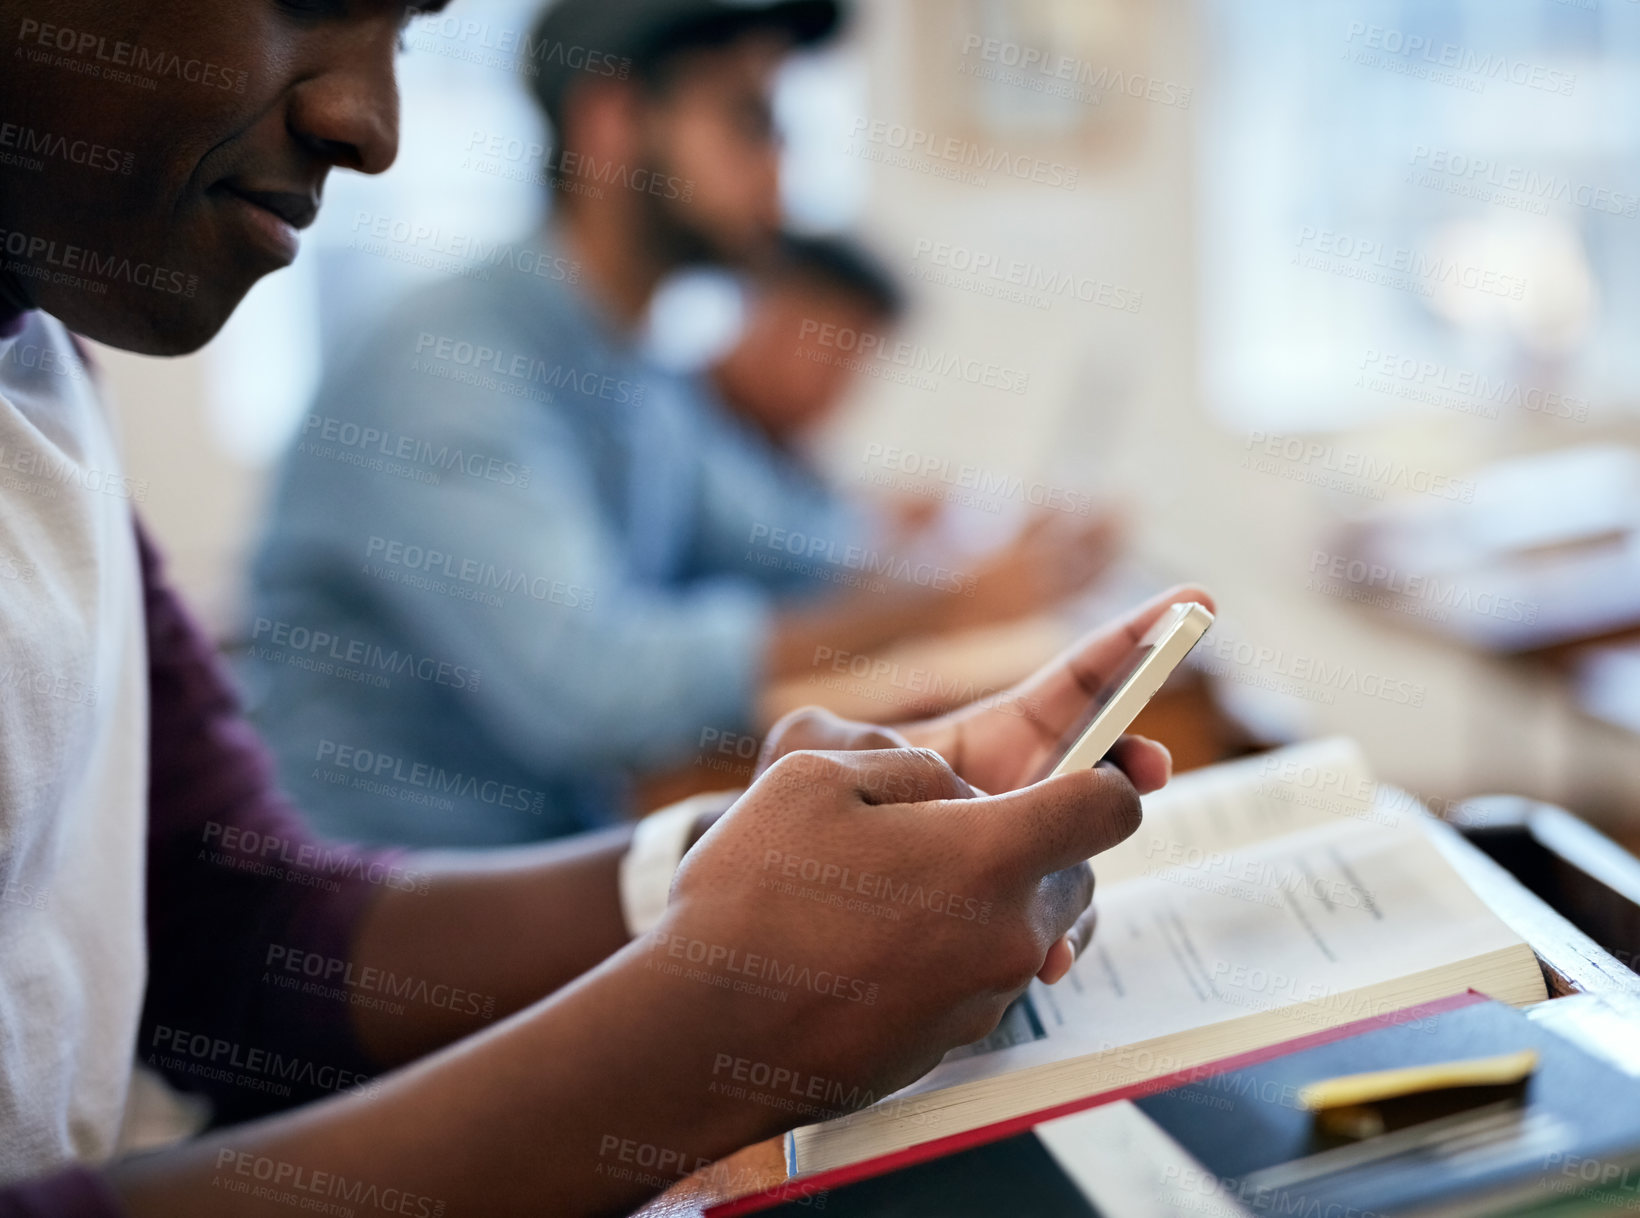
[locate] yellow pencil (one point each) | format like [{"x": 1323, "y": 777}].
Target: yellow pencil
[{"x": 1378, "y": 1085}]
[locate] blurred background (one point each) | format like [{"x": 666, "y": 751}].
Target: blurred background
[{"x": 1335, "y": 302}]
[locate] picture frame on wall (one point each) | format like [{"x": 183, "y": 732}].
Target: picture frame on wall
[{"x": 1073, "y": 77}]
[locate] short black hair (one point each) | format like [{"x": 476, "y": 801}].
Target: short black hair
[{"x": 842, "y": 264}]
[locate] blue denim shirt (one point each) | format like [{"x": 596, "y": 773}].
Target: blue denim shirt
[{"x": 509, "y": 561}]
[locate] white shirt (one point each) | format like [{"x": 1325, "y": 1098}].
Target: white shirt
[{"x": 73, "y": 765}]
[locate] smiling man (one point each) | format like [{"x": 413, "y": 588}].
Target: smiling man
[
  {"x": 160, "y": 902},
  {"x": 155, "y": 258}
]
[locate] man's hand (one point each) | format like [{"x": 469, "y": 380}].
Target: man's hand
[
  {"x": 1055, "y": 556},
  {"x": 854, "y": 916},
  {"x": 1002, "y": 743},
  {"x": 911, "y": 909}
]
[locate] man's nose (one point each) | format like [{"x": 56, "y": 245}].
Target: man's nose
[{"x": 349, "y": 110}]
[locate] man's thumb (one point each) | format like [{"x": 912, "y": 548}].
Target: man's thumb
[{"x": 1059, "y": 822}]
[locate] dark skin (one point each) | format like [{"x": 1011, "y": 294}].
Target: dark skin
[
  {"x": 597, "y": 1048},
  {"x": 623, "y": 1059},
  {"x": 217, "y": 198}
]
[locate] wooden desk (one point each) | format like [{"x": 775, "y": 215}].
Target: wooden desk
[
  {"x": 1595, "y": 1002},
  {"x": 1592, "y": 882}
]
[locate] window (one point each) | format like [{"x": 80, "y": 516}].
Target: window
[{"x": 1418, "y": 206}]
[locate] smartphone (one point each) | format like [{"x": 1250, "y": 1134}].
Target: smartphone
[{"x": 1137, "y": 679}]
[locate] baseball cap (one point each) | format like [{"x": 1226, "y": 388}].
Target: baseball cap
[{"x": 576, "y": 38}]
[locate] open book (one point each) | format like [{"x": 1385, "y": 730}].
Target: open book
[{"x": 1260, "y": 901}]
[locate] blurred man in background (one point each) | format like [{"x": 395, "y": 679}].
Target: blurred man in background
[{"x": 511, "y": 560}]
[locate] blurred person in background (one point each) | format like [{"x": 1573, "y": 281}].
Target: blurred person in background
[
  {"x": 772, "y": 379},
  {"x": 776, "y": 383},
  {"x": 596, "y": 576},
  {"x": 766, "y": 378},
  {"x": 779, "y": 389}
]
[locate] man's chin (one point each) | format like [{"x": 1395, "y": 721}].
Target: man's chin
[{"x": 146, "y": 321}]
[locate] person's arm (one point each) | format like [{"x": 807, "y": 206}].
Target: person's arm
[
  {"x": 605, "y": 1093},
  {"x": 590, "y": 661},
  {"x": 856, "y": 622},
  {"x": 546, "y": 1114},
  {"x": 500, "y": 930},
  {"x": 561, "y": 905},
  {"x": 832, "y": 564},
  {"x": 618, "y": 1077},
  {"x": 1054, "y": 557},
  {"x": 284, "y": 968},
  {"x": 872, "y": 584}
]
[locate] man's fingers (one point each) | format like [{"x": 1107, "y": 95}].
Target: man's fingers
[
  {"x": 881, "y": 776},
  {"x": 905, "y": 776},
  {"x": 1038, "y": 524},
  {"x": 1082, "y": 933},
  {"x": 1058, "y": 823},
  {"x": 1061, "y": 956},
  {"x": 1061, "y": 899},
  {"x": 815, "y": 729},
  {"x": 1071, "y": 948},
  {"x": 1063, "y": 689},
  {"x": 1146, "y": 762}
]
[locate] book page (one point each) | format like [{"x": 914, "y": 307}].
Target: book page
[
  {"x": 1305, "y": 918},
  {"x": 1225, "y": 808}
]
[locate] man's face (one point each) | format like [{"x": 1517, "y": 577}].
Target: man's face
[
  {"x": 181, "y": 146},
  {"x": 712, "y": 129}
]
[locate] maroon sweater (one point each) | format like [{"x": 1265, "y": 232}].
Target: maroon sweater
[{"x": 235, "y": 884}]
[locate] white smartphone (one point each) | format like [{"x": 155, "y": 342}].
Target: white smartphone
[{"x": 1135, "y": 683}]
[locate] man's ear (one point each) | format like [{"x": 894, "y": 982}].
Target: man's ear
[{"x": 603, "y": 122}]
